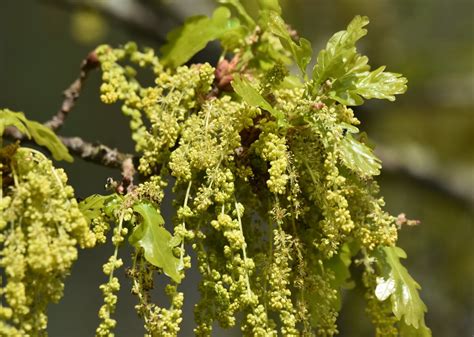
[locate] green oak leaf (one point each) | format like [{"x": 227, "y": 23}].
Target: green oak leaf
[
  {"x": 11, "y": 118},
  {"x": 243, "y": 87},
  {"x": 155, "y": 240},
  {"x": 194, "y": 35},
  {"x": 233, "y": 37},
  {"x": 92, "y": 206},
  {"x": 41, "y": 134},
  {"x": 346, "y": 74},
  {"x": 356, "y": 155},
  {"x": 406, "y": 302},
  {"x": 339, "y": 56},
  {"x": 46, "y": 137},
  {"x": 380, "y": 84},
  {"x": 301, "y": 51},
  {"x": 353, "y": 88},
  {"x": 410, "y": 331}
]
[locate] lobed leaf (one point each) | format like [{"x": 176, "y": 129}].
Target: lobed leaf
[
  {"x": 155, "y": 241},
  {"x": 381, "y": 85},
  {"x": 41, "y": 134},
  {"x": 11, "y": 118},
  {"x": 339, "y": 55},
  {"x": 92, "y": 206},
  {"x": 193, "y": 36},
  {"x": 357, "y": 156},
  {"x": 46, "y": 137},
  {"x": 406, "y": 302},
  {"x": 410, "y": 331},
  {"x": 348, "y": 73}
]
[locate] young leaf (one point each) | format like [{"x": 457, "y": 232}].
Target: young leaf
[
  {"x": 358, "y": 156},
  {"x": 155, "y": 241},
  {"x": 251, "y": 96},
  {"x": 380, "y": 84},
  {"x": 41, "y": 134},
  {"x": 339, "y": 57},
  {"x": 349, "y": 75},
  {"x": 410, "y": 331},
  {"x": 46, "y": 137},
  {"x": 91, "y": 207},
  {"x": 11, "y": 118},
  {"x": 406, "y": 302},
  {"x": 272, "y": 21},
  {"x": 193, "y": 36}
]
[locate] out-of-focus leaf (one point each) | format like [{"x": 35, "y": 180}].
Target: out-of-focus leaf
[
  {"x": 41, "y": 134},
  {"x": 406, "y": 302},
  {"x": 272, "y": 5},
  {"x": 357, "y": 156},
  {"x": 11, "y": 118},
  {"x": 193, "y": 36},
  {"x": 335, "y": 274},
  {"x": 240, "y": 10},
  {"x": 339, "y": 264},
  {"x": 46, "y": 137},
  {"x": 251, "y": 96},
  {"x": 271, "y": 21},
  {"x": 155, "y": 241},
  {"x": 234, "y": 36},
  {"x": 92, "y": 206}
]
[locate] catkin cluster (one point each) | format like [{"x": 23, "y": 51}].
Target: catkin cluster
[
  {"x": 41, "y": 230},
  {"x": 254, "y": 199}
]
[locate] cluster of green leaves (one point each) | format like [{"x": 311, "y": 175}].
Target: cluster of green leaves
[
  {"x": 340, "y": 73},
  {"x": 346, "y": 73}
]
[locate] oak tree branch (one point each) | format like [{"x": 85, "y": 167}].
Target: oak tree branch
[{"x": 72, "y": 93}]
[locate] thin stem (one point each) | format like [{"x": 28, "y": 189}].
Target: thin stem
[
  {"x": 119, "y": 230},
  {"x": 186, "y": 198},
  {"x": 244, "y": 246},
  {"x": 310, "y": 172}
]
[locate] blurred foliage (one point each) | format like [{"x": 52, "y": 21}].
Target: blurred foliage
[
  {"x": 88, "y": 27},
  {"x": 429, "y": 41}
]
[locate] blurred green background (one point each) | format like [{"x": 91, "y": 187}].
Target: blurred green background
[{"x": 425, "y": 137}]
